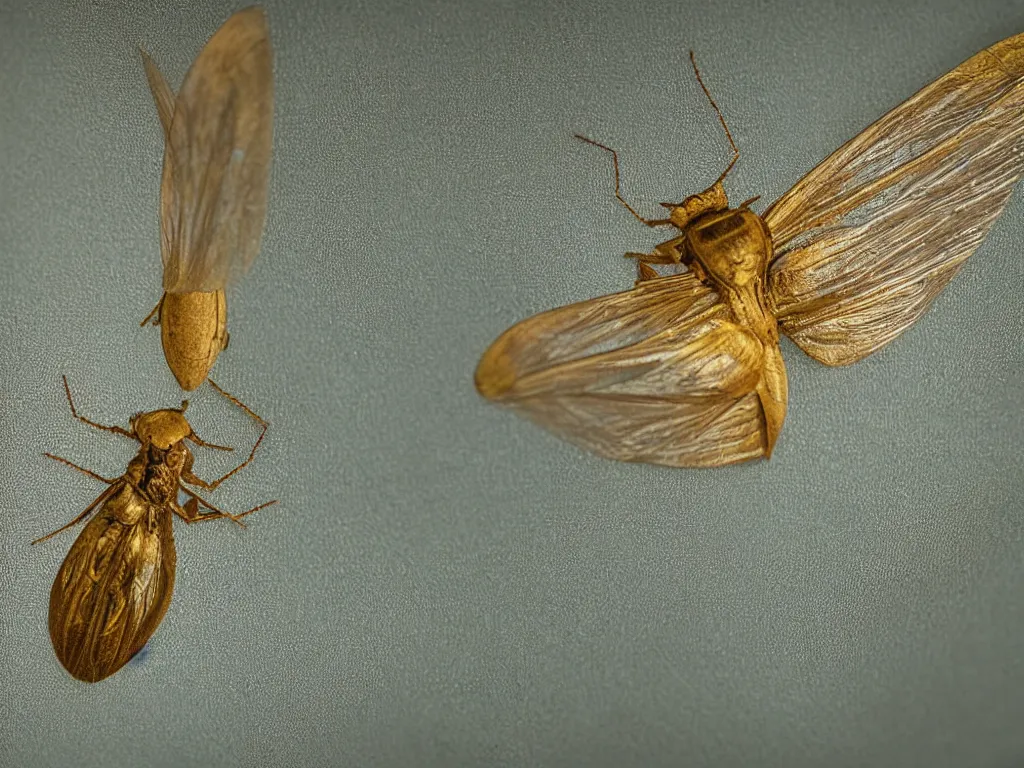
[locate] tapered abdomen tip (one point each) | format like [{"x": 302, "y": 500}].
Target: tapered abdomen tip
[{"x": 193, "y": 329}]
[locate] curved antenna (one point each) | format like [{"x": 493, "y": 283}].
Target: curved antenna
[
  {"x": 721, "y": 119},
  {"x": 615, "y": 163},
  {"x": 115, "y": 429}
]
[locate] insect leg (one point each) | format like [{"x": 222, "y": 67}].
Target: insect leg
[
  {"x": 115, "y": 429},
  {"x": 99, "y": 500},
  {"x": 190, "y": 512},
  {"x": 155, "y": 311},
  {"x": 664, "y": 253},
  {"x": 615, "y": 163},
  {"x": 190, "y": 478},
  {"x": 195, "y": 439},
  {"x": 728, "y": 135},
  {"x": 88, "y": 472},
  {"x": 645, "y": 272},
  {"x": 237, "y": 402}
]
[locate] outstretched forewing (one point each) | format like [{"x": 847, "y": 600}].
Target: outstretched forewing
[
  {"x": 660, "y": 374},
  {"x": 213, "y": 196},
  {"x": 113, "y": 588},
  {"x": 867, "y": 239}
]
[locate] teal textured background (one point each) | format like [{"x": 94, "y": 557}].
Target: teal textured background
[{"x": 444, "y": 584}]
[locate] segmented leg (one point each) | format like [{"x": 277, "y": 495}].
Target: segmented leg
[
  {"x": 83, "y": 470},
  {"x": 190, "y": 512},
  {"x": 189, "y": 477},
  {"x": 97, "y": 502},
  {"x": 154, "y": 311},
  {"x": 237, "y": 402},
  {"x": 196, "y": 439},
  {"x": 669, "y": 252}
]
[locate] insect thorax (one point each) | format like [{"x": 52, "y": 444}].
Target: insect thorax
[
  {"x": 161, "y": 471},
  {"x": 732, "y": 246}
]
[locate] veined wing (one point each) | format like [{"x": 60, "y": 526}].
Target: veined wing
[
  {"x": 660, "y": 374},
  {"x": 163, "y": 96},
  {"x": 869, "y": 238},
  {"x": 114, "y": 586},
  {"x": 213, "y": 195}
]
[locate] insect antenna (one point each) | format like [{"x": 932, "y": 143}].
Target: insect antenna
[
  {"x": 615, "y": 163},
  {"x": 721, "y": 119},
  {"x": 115, "y": 429}
]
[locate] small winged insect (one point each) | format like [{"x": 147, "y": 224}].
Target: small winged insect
[
  {"x": 115, "y": 585},
  {"x": 685, "y": 369},
  {"x": 213, "y": 196}
]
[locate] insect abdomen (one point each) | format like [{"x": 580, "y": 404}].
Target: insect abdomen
[
  {"x": 193, "y": 329},
  {"x": 113, "y": 588}
]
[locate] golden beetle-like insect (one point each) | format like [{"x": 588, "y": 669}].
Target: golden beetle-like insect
[
  {"x": 685, "y": 369},
  {"x": 115, "y": 585}
]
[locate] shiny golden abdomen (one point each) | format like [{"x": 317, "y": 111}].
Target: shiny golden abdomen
[{"x": 193, "y": 329}]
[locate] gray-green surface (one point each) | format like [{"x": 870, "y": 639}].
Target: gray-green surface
[{"x": 443, "y": 583}]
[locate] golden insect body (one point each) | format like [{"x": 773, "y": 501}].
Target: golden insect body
[
  {"x": 685, "y": 369},
  {"x": 115, "y": 584},
  {"x": 193, "y": 329},
  {"x": 213, "y": 196}
]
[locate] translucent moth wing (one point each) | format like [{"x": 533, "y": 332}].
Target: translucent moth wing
[
  {"x": 114, "y": 586},
  {"x": 660, "y": 374},
  {"x": 843, "y": 263},
  {"x": 213, "y": 196},
  {"x": 163, "y": 96},
  {"x": 871, "y": 236}
]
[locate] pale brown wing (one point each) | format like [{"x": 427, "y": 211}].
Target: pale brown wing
[
  {"x": 163, "y": 96},
  {"x": 660, "y": 374},
  {"x": 217, "y": 159},
  {"x": 113, "y": 588},
  {"x": 869, "y": 238}
]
